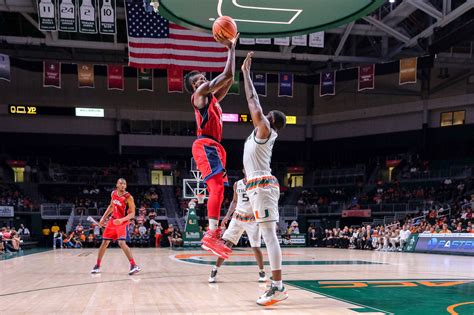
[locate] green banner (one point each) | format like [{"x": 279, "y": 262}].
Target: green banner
[
  {"x": 192, "y": 236},
  {"x": 411, "y": 243},
  {"x": 145, "y": 79}
]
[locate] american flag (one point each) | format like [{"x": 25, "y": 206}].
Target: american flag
[{"x": 154, "y": 42}]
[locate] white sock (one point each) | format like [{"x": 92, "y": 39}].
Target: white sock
[
  {"x": 213, "y": 224},
  {"x": 278, "y": 284},
  {"x": 215, "y": 268}
]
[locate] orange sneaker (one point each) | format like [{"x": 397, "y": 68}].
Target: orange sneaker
[{"x": 212, "y": 242}]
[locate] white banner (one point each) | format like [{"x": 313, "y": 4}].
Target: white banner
[
  {"x": 264, "y": 41},
  {"x": 87, "y": 16},
  {"x": 47, "y": 15},
  {"x": 247, "y": 41},
  {"x": 316, "y": 40},
  {"x": 6, "y": 212},
  {"x": 107, "y": 9},
  {"x": 282, "y": 41},
  {"x": 67, "y": 15},
  {"x": 446, "y": 235},
  {"x": 300, "y": 40}
]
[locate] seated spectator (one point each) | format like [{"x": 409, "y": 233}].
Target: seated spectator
[
  {"x": 312, "y": 238},
  {"x": 58, "y": 237},
  {"x": 23, "y": 231},
  {"x": 445, "y": 229},
  {"x": 404, "y": 235}
]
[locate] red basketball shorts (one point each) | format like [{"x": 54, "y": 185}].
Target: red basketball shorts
[
  {"x": 116, "y": 232},
  {"x": 210, "y": 157}
]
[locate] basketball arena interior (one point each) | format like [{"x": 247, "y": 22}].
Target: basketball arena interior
[{"x": 375, "y": 167}]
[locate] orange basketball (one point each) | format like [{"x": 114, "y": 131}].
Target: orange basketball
[{"x": 224, "y": 28}]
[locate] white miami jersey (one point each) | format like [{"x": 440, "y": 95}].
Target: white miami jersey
[
  {"x": 243, "y": 202},
  {"x": 258, "y": 154}
]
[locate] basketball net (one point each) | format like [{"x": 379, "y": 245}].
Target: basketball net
[{"x": 200, "y": 198}]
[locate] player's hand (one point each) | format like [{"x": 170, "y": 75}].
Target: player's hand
[
  {"x": 247, "y": 62},
  {"x": 224, "y": 222},
  {"x": 230, "y": 43},
  {"x": 102, "y": 222},
  {"x": 117, "y": 221}
]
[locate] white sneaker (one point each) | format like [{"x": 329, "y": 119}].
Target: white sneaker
[
  {"x": 213, "y": 276},
  {"x": 134, "y": 269},
  {"x": 96, "y": 269},
  {"x": 262, "y": 277},
  {"x": 272, "y": 296}
]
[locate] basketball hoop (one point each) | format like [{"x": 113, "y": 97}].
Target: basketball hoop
[{"x": 200, "y": 198}]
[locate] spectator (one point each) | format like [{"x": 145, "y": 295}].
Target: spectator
[
  {"x": 55, "y": 228},
  {"x": 58, "y": 237},
  {"x": 404, "y": 235},
  {"x": 23, "y": 231},
  {"x": 79, "y": 228},
  {"x": 445, "y": 229},
  {"x": 142, "y": 230},
  {"x": 313, "y": 238}
]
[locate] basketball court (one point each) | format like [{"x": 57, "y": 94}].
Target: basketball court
[{"x": 320, "y": 281}]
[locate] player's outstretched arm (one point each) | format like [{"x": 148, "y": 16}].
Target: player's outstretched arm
[
  {"x": 108, "y": 212},
  {"x": 232, "y": 206},
  {"x": 260, "y": 122},
  {"x": 221, "y": 84}
]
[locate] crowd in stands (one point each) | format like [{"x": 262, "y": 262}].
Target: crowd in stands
[
  {"x": 11, "y": 239},
  {"x": 10, "y": 196}
]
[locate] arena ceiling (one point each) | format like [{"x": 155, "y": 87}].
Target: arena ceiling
[{"x": 394, "y": 30}]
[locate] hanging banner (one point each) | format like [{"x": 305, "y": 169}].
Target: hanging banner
[
  {"x": 316, "y": 39},
  {"x": 408, "y": 70},
  {"x": 260, "y": 82},
  {"x": 87, "y": 16},
  {"x": 5, "y": 73},
  {"x": 175, "y": 81},
  {"x": 300, "y": 40},
  {"x": 115, "y": 77},
  {"x": 52, "y": 74},
  {"x": 285, "y": 84},
  {"x": 107, "y": 19},
  {"x": 235, "y": 87},
  {"x": 85, "y": 75},
  {"x": 247, "y": 41},
  {"x": 327, "y": 85},
  {"x": 366, "y": 77},
  {"x": 67, "y": 15},
  {"x": 282, "y": 41},
  {"x": 47, "y": 15},
  {"x": 263, "y": 41},
  {"x": 144, "y": 79}
]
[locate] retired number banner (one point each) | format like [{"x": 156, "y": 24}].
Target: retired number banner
[
  {"x": 67, "y": 15},
  {"x": 47, "y": 15},
  {"x": 107, "y": 10},
  {"x": 87, "y": 18}
]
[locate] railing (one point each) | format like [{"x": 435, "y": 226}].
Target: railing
[
  {"x": 161, "y": 213},
  {"x": 453, "y": 172},
  {"x": 53, "y": 211}
]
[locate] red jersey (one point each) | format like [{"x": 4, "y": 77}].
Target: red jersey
[
  {"x": 209, "y": 119},
  {"x": 120, "y": 206}
]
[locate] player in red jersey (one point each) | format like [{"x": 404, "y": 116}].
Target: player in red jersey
[
  {"x": 117, "y": 227},
  {"x": 208, "y": 153}
]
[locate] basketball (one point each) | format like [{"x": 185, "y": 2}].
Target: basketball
[{"x": 224, "y": 28}]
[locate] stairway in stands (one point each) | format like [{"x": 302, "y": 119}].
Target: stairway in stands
[{"x": 172, "y": 207}]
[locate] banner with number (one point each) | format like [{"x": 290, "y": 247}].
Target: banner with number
[
  {"x": 316, "y": 39},
  {"x": 282, "y": 41},
  {"x": 52, "y": 74},
  {"x": 327, "y": 85},
  {"x": 145, "y": 79},
  {"x": 47, "y": 15},
  {"x": 408, "y": 70},
  {"x": 5, "y": 68},
  {"x": 115, "y": 77},
  {"x": 235, "y": 87},
  {"x": 85, "y": 75},
  {"x": 366, "y": 78},
  {"x": 87, "y": 16},
  {"x": 107, "y": 11},
  {"x": 67, "y": 15},
  {"x": 300, "y": 40},
  {"x": 175, "y": 81},
  {"x": 260, "y": 82},
  {"x": 285, "y": 84}
]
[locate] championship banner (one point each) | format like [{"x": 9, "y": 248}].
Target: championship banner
[
  {"x": 327, "y": 84},
  {"x": 263, "y": 41},
  {"x": 247, "y": 41},
  {"x": 87, "y": 18},
  {"x": 115, "y": 77},
  {"x": 316, "y": 40},
  {"x": 85, "y": 75},
  {"x": 260, "y": 82},
  {"x": 300, "y": 40},
  {"x": 408, "y": 70},
  {"x": 52, "y": 74},
  {"x": 235, "y": 87},
  {"x": 107, "y": 19},
  {"x": 47, "y": 15},
  {"x": 285, "y": 84},
  {"x": 67, "y": 15},
  {"x": 282, "y": 41},
  {"x": 366, "y": 78},
  {"x": 144, "y": 79},
  {"x": 7, "y": 211},
  {"x": 5, "y": 70},
  {"x": 175, "y": 81}
]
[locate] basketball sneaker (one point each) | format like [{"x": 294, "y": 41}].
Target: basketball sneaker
[
  {"x": 96, "y": 269},
  {"x": 262, "y": 277},
  {"x": 213, "y": 276},
  {"x": 134, "y": 269},
  {"x": 212, "y": 242},
  {"x": 272, "y": 296}
]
